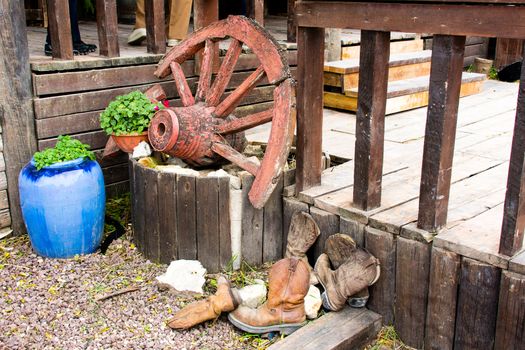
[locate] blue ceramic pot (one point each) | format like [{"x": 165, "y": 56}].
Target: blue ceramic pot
[{"x": 63, "y": 207}]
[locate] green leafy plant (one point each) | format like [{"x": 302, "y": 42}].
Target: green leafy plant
[
  {"x": 65, "y": 149},
  {"x": 128, "y": 114}
]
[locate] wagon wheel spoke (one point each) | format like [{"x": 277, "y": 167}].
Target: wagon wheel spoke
[
  {"x": 225, "y": 73},
  {"x": 245, "y": 123},
  {"x": 230, "y": 103},
  {"x": 206, "y": 70},
  {"x": 182, "y": 85},
  {"x": 228, "y": 152}
]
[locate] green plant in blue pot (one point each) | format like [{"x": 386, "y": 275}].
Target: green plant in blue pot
[{"x": 62, "y": 198}]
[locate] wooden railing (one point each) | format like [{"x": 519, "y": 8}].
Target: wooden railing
[
  {"x": 450, "y": 22},
  {"x": 205, "y": 12}
]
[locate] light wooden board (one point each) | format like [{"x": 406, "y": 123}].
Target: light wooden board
[{"x": 352, "y": 52}]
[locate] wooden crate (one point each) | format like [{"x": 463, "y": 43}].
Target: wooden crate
[{"x": 188, "y": 217}]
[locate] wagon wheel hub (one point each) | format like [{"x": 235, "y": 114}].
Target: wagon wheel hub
[{"x": 204, "y": 130}]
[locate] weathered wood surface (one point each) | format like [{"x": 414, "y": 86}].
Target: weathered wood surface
[
  {"x": 225, "y": 240},
  {"x": 412, "y": 278},
  {"x": 328, "y": 225},
  {"x": 168, "y": 216},
  {"x": 354, "y": 229},
  {"x": 442, "y": 300},
  {"x": 382, "y": 294},
  {"x": 441, "y": 19},
  {"x": 290, "y": 207},
  {"x": 477, "y": 305},
  {"x": 252, "y": 226},
  {"x": 138, "y": 206},
  {"x": 155, "y": 28},
  {"x": 186, "y": 224},
  {"x": 291, "y": 25},
  {"x": 208, "y": 234},
  {"x": 59, "y": 29},
  {"x": 107, "y": 28},
  {"x": 510, "y": 326},
  {"x": 348, "y": 329},
  {"x": 310, "y": 44},
  {"x": 370, "y": 119},
  {"x": 273, "y": 225},
  {"x": 514, "y": 211},
  {"x": 413, "y": 45},
  {"x": 508, "y": 51},
  {"x": 151, "y": 216},
  {"x": 517, "y": 264},
  {"x": 440, "y": 134},
  {"x": 16, "y": 111}
]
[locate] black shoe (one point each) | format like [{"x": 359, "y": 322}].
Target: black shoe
[
  {"x": 84, "y": 48},
  {"x": 48, "y": 50}
]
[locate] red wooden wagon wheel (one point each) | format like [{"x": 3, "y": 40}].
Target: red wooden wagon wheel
[{"x": 204, "y": 129}]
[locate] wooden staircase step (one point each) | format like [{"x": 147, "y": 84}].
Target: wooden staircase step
[
  {"x": 346, "y": 329},
  {"x": 404, "y": 94},
  {"x": 344, "y": 75}
]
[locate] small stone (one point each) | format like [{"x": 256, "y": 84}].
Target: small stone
[
  {"x": 184, "y": 275},
  {"x": 143, "y": 149},
  {"x": 176, "y": 161},
  {"x": 175, "y": 169},
  {"x": 253, "y": 295},
  {"x": 312, "y": 302}
]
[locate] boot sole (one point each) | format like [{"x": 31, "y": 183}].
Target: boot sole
[{"x": 285, "y": 329}]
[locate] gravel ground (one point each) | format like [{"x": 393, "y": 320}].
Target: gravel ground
[{"x": 51, "y": 304}]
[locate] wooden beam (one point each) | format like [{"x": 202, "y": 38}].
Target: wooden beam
[
  {"x": 16, "y": 102},
  {"x": 256, "y": 11},
  {"x": 291, "y": 23},
  {"x": 107, "y": 28},
  {"x": 370, "y": 119},
  {"x": 440, "y": 132},
  {"x": 446, "y": 19},
  {"x": 514, "y": 210},
  {"x": 507, "y": 51},
  {"x": 310, "y": 62},
  {"x": 60, "y": 29},
  {"x": 156, "y": 34},
  {"x": 206, "y": 12}
]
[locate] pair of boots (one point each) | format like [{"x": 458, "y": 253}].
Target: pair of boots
[{"x": 283, "y": 311}]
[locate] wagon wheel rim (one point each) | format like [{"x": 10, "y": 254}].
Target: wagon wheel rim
[{"x": 273, "y": 65}]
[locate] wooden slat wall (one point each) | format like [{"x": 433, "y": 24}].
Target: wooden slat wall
[{"x": 70, "y": 102}]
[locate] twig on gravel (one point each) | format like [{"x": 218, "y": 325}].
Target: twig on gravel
[{"x": 118, "y": 292}]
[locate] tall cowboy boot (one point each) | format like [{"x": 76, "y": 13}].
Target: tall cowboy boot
[
  {"x": 283, "y": 311},
  {"x": 356, "y": 273},
  {"x": 225, "y": 299},
  {"x": 339, "y": 247},
  {"x": 302, "y": 234}
]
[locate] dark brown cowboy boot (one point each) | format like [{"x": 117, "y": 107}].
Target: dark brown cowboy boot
[
  {"x": 360, "y": 270},
  {"x": 283, "y": 311},
  {"x": 302, "y": 234},
  {"x": 225, "y": 299}
]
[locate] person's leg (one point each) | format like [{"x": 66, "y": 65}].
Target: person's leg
[
  {"x": 78, "y": 44},
  {"x": 138, "y": 34},
  {"x": 179, "y": 20}
]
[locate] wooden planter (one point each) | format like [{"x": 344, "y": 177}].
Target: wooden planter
[{"x": 188, "y": 217}]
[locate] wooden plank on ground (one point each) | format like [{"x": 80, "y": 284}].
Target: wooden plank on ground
[
  {"x": 167, "y": 192},
  {"x": 348, "y": 329},
  {"x": 328, "y": 225},
  {"x": 207, "y": 208},
  {"x": 290, "y": 207},
  {"x": 186, "y": 218},
  {"x": 477, "y": 305},
  {"x": 225, "y": 240},
  {"x": 412, "y": 276},
  {"x": 382, "y": 294},
  {"x": 273, "y": 225},
  {"x": 510, "y": 326},
  {"x": 151, "y": 214},
  {"x": 252, "y": 225},
  {"x": 442, "y": 300}
]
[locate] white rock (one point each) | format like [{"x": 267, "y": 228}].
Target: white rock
[
  {"x": 184, "y": 275},
  {"x": 235, "y": 182},
  {"x": 175, "y": 169},
  {"x": 254, "y": 294},
  {"x": 312, "y": 302},
  {"x": 218, "y": 173},
  {"x": 141, "y": 150},
  {"x": 176, "y": 161}
]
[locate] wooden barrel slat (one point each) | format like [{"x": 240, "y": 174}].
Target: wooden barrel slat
[
  {"x": 207, "y": 206},
  {"x": 167, "y": 192},
  {"x": 186, "y": 223},
  {"x": 151, "y": 212}
]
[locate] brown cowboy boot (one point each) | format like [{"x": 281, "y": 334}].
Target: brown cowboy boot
[
  {"x": 302, "y": 234},
  {"x": 356, "y": 273},
  {"x": 339, "y": 247},
  {"x": 283, "y": 311},
  {"x": 225, "y": 299}
]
